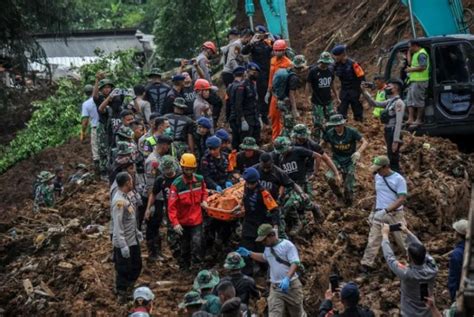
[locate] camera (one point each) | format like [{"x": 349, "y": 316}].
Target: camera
[{"x": 368, "y": 84}]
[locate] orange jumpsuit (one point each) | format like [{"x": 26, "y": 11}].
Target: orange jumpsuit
[{"x": 273, "y": 113}]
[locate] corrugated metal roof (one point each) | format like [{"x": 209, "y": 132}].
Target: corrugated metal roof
[{"x": 86, "y": 45}]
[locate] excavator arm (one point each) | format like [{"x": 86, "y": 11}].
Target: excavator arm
[
  {"x": 430, "y": 13},
  {"x": 274, "y": 12}
]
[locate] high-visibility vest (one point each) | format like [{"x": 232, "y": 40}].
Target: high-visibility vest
[
  {"x": 379, "y": 96},
  {"x": 423, "y": 75}
]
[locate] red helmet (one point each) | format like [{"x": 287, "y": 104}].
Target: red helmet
[
  {"x": 202, "y": 84},
  {"x": 210, "y": 45},
  {"x": 280, "y": 45}
]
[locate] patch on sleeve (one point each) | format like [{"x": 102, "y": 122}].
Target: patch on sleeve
[
  {"x": 398, "y": 107},
  {"x": 120, "y": 203}
]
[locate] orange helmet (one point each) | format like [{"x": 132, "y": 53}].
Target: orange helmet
[
  {"x": 210, "y": 45},
  {"x": 280, "y": 45},
  {"x": 202, "y": 84}
]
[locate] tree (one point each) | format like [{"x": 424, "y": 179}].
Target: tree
[
  {"x": 21, "y": 19},
  {"x": 183, "y": 25}
]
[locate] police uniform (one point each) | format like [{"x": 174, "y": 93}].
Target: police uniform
[
  {"x": 125, "y": 234},
  {"x": 242, "y": 104}
]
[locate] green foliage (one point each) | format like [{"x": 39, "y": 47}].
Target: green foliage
[
  {"x": 57, "y": 118},
  {"x": 183, "y": 25}
]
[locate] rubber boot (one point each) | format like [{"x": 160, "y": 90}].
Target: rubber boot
[
  {"x": 152, "y": 254},
  {"x": 316, "y": 210},
  {"x": 337, "y": 191},
  {"x": 159, "y": 255},
  {"x": 348, "y": 198}
]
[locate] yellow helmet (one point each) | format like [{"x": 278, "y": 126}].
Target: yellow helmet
[{"x": 188, "y": 160}]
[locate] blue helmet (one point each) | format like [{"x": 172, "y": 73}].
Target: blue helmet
[{"x": 213, "y": 142}]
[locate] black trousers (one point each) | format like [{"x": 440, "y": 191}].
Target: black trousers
[
  {"x": 252, "y": 245},
  {"x": 153, "y": 227},
  {"x": 351, "y": 97},
  {"x": 191, "y": 243},
  {"x": 394, "y": 157},
  {"x": 227, "y": 78},
  {"x": 140, "y": 213},
  {"x": 128, "y": 270},
  {"x": 238, "y": 135},
  {"x": 262, "y": 86}
]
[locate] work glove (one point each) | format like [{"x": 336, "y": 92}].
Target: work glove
[
  {"x": 139, "y": 236},
  {"x": 355, "y": 157},
  {"x": 244, "y": 126},
  {"x": 284, "y": 284},
  {"x": 378, "y": 215},
  {"x": 243, "y": 251},
  {"x": 228, "y": 184},
  {"x": 178, "y": 229},
  {"x": 267, "y": 97},
  {"x": 125, "y": 251},
  {"x": 219, "y": 189}
]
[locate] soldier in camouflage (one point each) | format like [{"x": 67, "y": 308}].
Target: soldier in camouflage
[{"x": 44, "y": 191}]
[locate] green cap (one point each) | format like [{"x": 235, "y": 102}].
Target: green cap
[
  {"x": 180, "y": 103},
  {"x": 300, "y": 131},
  {"x": 249, "y": 143},
  {"x": 326, "y": 58},
  {"x": 45, "y": 176},
  {"x": 192, "y": 298},
  {"x": 125, "y": 132},
  {"x": 81, "y": 166},
  {"x": 336, "y": 119},
  {"x": 299, "y": 61},
  {"x": 282, "y": 144},
  {"x": 124, "y": 148},
  {"x": 206, "y": 279},
  {"x": 263, "y": 231},
  {"x": 88, "y": 89},
  {"x": 105, "y": 82},
  {"x": 154, "y": 72},
  {"x": 168, "y": 163},
  {"x": 379, "y": 162},
  {"x": 234, "y": 261}
]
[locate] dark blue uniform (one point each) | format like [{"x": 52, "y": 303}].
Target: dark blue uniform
[
  {"x": 214, "y": 170},
  {"x": 155, "y": 94},
  {"x": 242, "y": 103},
  {"x": 350, "y": 89}
]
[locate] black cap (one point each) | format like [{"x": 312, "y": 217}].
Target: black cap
[
  {"x": 164, "y": 139},
  {"x": 396, "y": 81},
  {"x": 233, "y": 31}
]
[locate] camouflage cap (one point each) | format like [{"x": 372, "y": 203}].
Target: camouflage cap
[
  {"x": 105, "y": 82},
  {"x": 154, "y": 72},
  {"x": 336, "y": 119},
  {"x": 124, "y": 148},
  {"x": 168, "y": 163},
  {"x": 379, "y": 162},
  {"x": 263, "y": 231},
  {"x": 180, "y": 103},
  {"x": 125, "y": 132},
  {"x": 300, "y": 131},
  {"x": 326, "y": 58},
  {"x": 45, "y": 176},
  {"x": 281, "y": 144},
  {"x": 206, "y": 279},
  {"x": 234, "y": 261},
  {"x": 249, "y": 143},
  {"x": 191, "y": 298},
  {"x": 299, "y": 61}
]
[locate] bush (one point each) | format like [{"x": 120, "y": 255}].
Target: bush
[{"x": 57, "y": 118}]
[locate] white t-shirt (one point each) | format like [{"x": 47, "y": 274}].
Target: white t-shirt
[
  {"x": 89, "y": 110},
  {"x": 287, "y": 251},
  {"x": 384, "y": 196}
]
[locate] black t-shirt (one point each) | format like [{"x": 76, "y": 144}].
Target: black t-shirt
[
  {"x": 256, "y": 213},
  {"x": 189, "y": 95},
  {"x": 273, "y": 179},
  {"x": 111, "y": 116},
  {"x": 244, "y": 286},
  {"x": 244, "y": 162},
  {"x": 163, "y": 184},
  {"x": 313, "y": 146},
  {"x": 294, "y": 82},
  {"x": 181, "y": 125},
  {"x": 294, "y": 163},
  {"x": 320, "y": 81}
]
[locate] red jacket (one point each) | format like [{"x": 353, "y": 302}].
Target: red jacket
[{"x": 184, "y": 202}]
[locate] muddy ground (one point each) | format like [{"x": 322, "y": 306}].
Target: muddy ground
[{"x": 71, "y": 272}]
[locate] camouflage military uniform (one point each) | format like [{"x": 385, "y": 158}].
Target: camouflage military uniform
[
  {"x": 103, "y": 147},
  {"x": 288, "y": 119},
  {"x": 44, "y": 192}
]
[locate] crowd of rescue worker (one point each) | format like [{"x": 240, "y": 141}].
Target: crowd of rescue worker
[{"x": 165, "y": 147}]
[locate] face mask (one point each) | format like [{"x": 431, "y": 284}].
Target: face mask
[
  {"x": 253, "y": 77},
  {"x": 388, "y": 91},
  {"x": 168, "y": 131}
]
